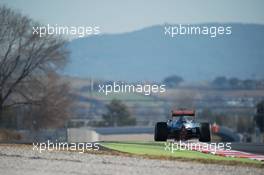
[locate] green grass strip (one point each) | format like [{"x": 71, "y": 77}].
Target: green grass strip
[{"x": 157, "y": 150}]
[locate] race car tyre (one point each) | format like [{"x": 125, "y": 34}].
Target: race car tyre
[
  {"x": 161, "y": 131},
  {"x": 205, "y": 133}
]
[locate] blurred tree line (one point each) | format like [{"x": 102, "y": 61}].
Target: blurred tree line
[
  {"x": 117, "y": 114},
  {"x": 259, "y": 117},
  {"x": 234, "y": 83},
  {"x": 242, "y": 124},
  {"x": 172, "y": 81},
  {"x": 31, "y": 91}
]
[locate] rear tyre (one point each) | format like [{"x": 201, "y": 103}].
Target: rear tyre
[
  {"x": 205, "y": 133},
  {"x": 161, "y": 131}
]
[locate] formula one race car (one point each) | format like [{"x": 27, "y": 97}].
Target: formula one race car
[{"x": 182, "y": 126}]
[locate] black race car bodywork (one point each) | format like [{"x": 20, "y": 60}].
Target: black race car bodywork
[{"x": 182, "y": 126}]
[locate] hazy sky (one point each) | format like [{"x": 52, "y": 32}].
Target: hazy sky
[{"x": 114, "y": 16}]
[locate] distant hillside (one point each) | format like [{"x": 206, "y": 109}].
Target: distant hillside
[{"x": 148, "y": 54}]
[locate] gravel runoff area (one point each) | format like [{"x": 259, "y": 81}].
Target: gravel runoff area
[{"x": 20, "y": 159}]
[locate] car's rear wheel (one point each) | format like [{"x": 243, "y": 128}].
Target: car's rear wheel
[
  {"x": 205, "y": 133},
  {"x": 161, "y": 131}
]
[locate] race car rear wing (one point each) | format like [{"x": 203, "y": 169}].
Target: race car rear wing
[{"x": 183, "y": 113}]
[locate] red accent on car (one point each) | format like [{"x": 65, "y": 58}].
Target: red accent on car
[
  {"x": 215, "y": 128},
  {"x": 183, "y": 112}
]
